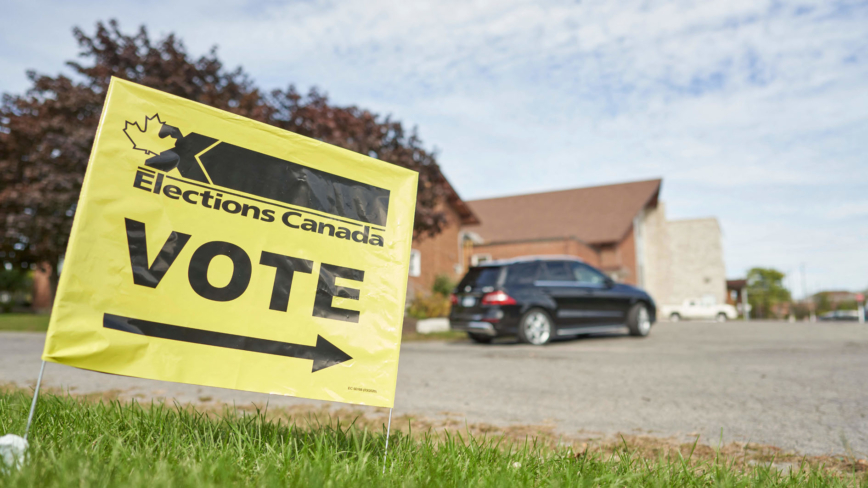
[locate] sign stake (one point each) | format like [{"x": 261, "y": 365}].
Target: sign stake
[
  {"x": 33, "y": 403},
  {"x": 388, "y": 430}
]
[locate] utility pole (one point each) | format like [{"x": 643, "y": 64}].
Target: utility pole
[
  {"x": 860, "y": 306},
  {"x": 809, "y": 304},
  {"x": 804, "y": 283},
  {"x": 744, "y": 304}
]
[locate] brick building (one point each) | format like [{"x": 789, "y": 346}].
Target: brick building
[
  {"x": 597, "y": 224},
  {"x": 441, "y": 254},
  {"x": 621, "y": 229}
]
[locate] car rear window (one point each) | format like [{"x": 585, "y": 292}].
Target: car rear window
[
  {"x": 480, "y": 277},
  {"x": 522, "y": 273}
]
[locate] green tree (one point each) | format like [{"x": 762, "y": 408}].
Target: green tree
[
  {"x": 766, "y": 291},
  {"x": 14, "y": 282},
  {"x": 46, "y": 134},
  {"x": 823, "y": 303}
]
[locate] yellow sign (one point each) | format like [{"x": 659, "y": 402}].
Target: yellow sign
[{"x": 214, "y": 250}]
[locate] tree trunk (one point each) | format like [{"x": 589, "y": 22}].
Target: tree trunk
[{"x": 44, "y": 287}]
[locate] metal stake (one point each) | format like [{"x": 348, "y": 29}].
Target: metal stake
[
  {"x": 33, "y": 404},
  {"x": 388, "y": 430}
]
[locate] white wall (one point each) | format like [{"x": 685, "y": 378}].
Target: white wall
[
  {"x": 655, "y": 259},
  {"x": 697, "y": 268},
  {"x": 681, "y": 259}
]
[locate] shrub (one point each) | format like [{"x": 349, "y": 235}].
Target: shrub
[
  {"x": 443, "y": 285},
  {"x": 431, "y": 306}
]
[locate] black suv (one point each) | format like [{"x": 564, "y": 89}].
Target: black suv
[{"x": 541, "y": 298}]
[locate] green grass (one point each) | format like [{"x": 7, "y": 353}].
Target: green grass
[
  {"x": 28, "y": 322},
  {"x": 78, "y": 443}
]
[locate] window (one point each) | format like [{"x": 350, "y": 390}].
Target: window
[
  {"x": 557, "y": 271},
  {"x": 415, "y": 263},
  {"x": 587, "y": 275},
  {"x": 480, "y": 277},
  {"x": 522, "y": 273}
]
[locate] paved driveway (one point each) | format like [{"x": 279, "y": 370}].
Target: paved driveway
[{"x": 798, "y": 386}]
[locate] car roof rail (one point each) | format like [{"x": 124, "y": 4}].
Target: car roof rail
[{"x": 524, "y": 259}]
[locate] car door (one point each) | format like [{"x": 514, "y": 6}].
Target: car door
[
  {"x": 691, "y": 310},
  {"x": 709, "y": 311},
  {"x": 559, "y": 283},
  {"x": 605, "y": 304},
  {"x": 709, "y": 307}
]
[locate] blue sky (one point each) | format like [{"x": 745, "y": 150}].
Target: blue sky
[{"x": 755, "y": 112}]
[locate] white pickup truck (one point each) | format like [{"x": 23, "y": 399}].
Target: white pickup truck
[{"x": 698, "y": 310}]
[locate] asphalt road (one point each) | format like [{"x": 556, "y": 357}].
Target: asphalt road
[{"x": 802, "y": 387}]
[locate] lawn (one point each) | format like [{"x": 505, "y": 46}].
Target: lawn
[
  {"x": 83, "y": 443},
  {"x": 28, "y": 322}
]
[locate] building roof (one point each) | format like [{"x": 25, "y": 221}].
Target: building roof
[
  {"x": 736, "y": 284},
  {"x": 461, "y": 207},
  {"x": 594, "y": 215}
]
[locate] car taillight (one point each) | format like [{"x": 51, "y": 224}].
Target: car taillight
[
  {"x": 497, "y": 298},
  {"x": 454, "y": 299}
]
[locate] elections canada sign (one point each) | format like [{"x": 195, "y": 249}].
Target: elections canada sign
[{"x": 214, "y": 250}]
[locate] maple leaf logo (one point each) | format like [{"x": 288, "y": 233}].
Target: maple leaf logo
[{"x": 148, "y": 139}]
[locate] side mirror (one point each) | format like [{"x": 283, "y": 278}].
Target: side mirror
[{"x": 609, "y": 282}]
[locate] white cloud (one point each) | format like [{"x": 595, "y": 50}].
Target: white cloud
[{"x": 754, "y": 111}]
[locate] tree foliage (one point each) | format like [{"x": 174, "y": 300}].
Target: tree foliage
[
  {"x": 14, "y": 280},
  {"x": 825, "y": 302},
  {"x": 14, "y": 284},
  {"x": 47, "y": 133},
  {"x": 766, "y": 291},
  {"x": 443, "y": 285}
]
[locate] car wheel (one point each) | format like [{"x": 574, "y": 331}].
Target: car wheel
[
  {"x": 479, "y": 338},
  {"x": 535, "y": 327},
  {"x": 721, "y": 317},
  {"x": 639, "y": 320},
  {"x": 675, "y": 317}
]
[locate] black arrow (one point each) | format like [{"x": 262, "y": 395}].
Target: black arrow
[{"x": 324, "y": 354}]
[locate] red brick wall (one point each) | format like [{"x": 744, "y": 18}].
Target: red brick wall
[
  {"x": 439, "y": 255},
  {"x": 583, "y": 251},
  {"x": 609, "y": 258},
  {"x": 627, "y": 257},
  {"x": 569, "y": 247},
  {"x": 617, "y": 257}
]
